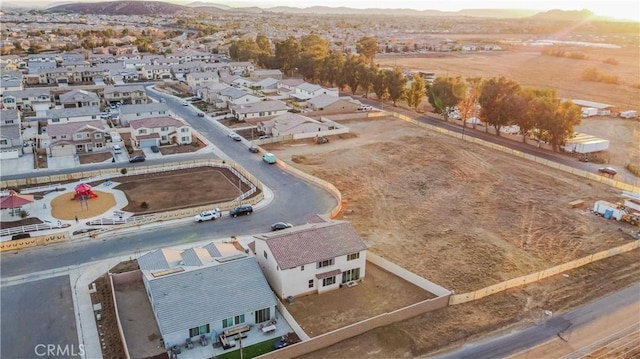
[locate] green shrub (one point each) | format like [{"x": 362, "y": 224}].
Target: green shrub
[
  {"x": 123, "y": 171},
  {"x": 23, "y": 214}
]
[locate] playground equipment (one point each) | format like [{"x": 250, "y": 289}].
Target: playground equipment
[{"x": 84, "y": 192}]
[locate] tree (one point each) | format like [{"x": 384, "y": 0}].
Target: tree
[
  {"x": 379, "y": 85},
  {"x": 125, "y": 32},
  {"x": 351, "y": 72},
  {"x": 367, "y": 47},
  {"x": 468, "y": 106},
  {"x": 415, "y": 94},
  {"x": 314, "y": 50},
  {"x": 496, "y": 102},
  {"x": 396, "y": 82},
  {"x": 559, "y": 125},
  {"x": 538, "y": 105},
  {"x": 287, "y": 54},
  {"x": 366, "y": 75},
  {"x": 446, "y": 92},
  {"x": 331, "y": 67}
]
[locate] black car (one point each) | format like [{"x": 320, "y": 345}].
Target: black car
[
  {"x": 607, "y": 171},
  {"x": 280, "y": 226},
  {"x": 253, "y": 149},
  {"x": 246, "y": 209},
  {"x": 155, "y": 149},
  {"x": 200, "y": 114},
  {"x": 136, "y": 159}
]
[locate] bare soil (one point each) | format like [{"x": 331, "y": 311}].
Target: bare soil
[
  {"x": 107, "y": 326},
  {"x": 20, "y": 222},
  {"x": 464, "y": 217},
  {"x": 95, "y": 157},
  {"x": 369, "y": 298},
  {"x": 179, "y": 189},
  {"x": 174, "y": 149}
]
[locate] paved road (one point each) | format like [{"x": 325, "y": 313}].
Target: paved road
[
  {"x": 294, "y": 202},
  {"x": 568, "y": 325},
  {"x": 38, "y": 314}
]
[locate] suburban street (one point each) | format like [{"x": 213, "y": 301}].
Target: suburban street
[
  {"x": 294, "y": 201},
  {"x": 570, "y": 333}
]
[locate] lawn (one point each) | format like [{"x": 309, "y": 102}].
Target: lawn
[{"x": 251, "y": 351}]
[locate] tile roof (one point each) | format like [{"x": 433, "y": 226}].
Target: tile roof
[
  {"x": 73, "y": 112},
  {"x": 69, "y": 128},
  {"x": 155, "y": 122},
  {"x": 209, "y": 294},
  {"x": 78, "y": 95},
  {"x": 121, "y": 89},
  {"x": 311, "y": 243}
]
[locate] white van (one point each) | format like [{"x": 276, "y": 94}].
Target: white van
[{"x": 117, "y": 149}]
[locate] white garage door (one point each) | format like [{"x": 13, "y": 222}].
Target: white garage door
[{"x": 148, "y": 143}]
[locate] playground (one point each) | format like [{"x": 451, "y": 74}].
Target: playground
[{"x": 65, "y": 207}]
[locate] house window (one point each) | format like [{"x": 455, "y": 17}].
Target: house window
[
  {"x": 353, "y": 256},
  {"x": 262, "y": 315},
  {"x": 185, "y": 139},
  {"x": 142, "y": 131},
  {"x": 265, "y": 255},
  {"x": 310, "y": 283},
  {"x": 138, "y": 114},
  {"x": 239, "y": 319},
  {"x": 184, "y": 129},
  {"x": 8, "y": 122},
  {"x": 94, "y": 117},
  {"x": 352, "y": 274},
  {"x": 98, "y": 144},
  {"x": 97, "y": 135},
  {"x": 55, "y": 120},
  {"x": 54, "y": 137},
  {"x": 4, "y": 142},
  {"x": 164, "y": 138},
  {"x": 79, "y": 147},
  {"x": 325, "y": 263},
  {"x": 164, "y": 129},
  {"x": 328, "y": 281},
  {"x": 301, "y": 268},
  {"x": 63, "y": 136},
  {"x": 194, "y": 332},
  {"x": 161, "y": 112},
  {"x": 226, "y": 323},
  {"x": 78, "y": 136}
]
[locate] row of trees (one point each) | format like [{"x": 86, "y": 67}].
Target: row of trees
[{"x": 502, "y": 102}]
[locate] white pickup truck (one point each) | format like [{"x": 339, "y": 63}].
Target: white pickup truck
[{"x": 208, "y": 215}]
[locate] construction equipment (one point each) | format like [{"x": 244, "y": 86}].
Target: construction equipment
[{"x": 617, "y": 211}]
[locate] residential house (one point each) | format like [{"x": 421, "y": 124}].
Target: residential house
[
  {"x": 288, "y": 87},
  {"x": 155, "y": 131},
  {"x": 306, "y": 91},
  {"x": 10, "y": 134},
  {"x": 79, "y": 98},
  {"x": 136, "y": 112},
  {"x": 266, "y": 84},
  {"x": 258, "y": 75},
  {"x": 15, "y": 60},
  {"x": 10, "y": 81},
  {"x": 233, "y": 96},
  {"x": 72, "y": 114},
  {"x": 291, "y": 124},
  {"x": 156, "y": 72},
  {"x": 27, "y": 100},
  {"x": 312, "y": 258},
  {"x": 258, "y": 110},
  {"x": 242, "y": 67},
  {"x": 328, "y": 104},
  {"x": 202, "y": 291},
  {"x": 198, "y": 79},
  {"x": 133, "y": 94},
  {"x": 209, "y": 93},
  {"x": 70, "y": 138}
]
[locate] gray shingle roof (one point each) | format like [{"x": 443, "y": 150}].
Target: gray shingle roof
[
  {"x": 206, "y": 295},
  {"x": 146, "y": 107},
  {"x": 73, "y": 112},
  {"x": 262, "y": 106},
  {"x": 312, "y": 243},
  {"x": 158, "y": 259}
]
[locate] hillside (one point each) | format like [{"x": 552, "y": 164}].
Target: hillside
[{"x": 121, "y": 8}]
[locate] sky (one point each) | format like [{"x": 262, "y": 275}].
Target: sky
[{"x": 620, "y": 9}]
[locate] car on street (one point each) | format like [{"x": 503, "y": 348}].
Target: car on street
[
  {"x": 244, "y": 209},
  {"x": 607, "y": 171},
  {"x": 162, "y": 100},
  {"x": 136, "y": 159},
  {"x": 254, "y": 149},
  {"x": 236, "y": 137},
  {"x": 208, "y": 215},
  {"x": 200, "y": 114},
  {"x": 269, "y": 158},
  {"x": 155, "y": 149},
  {"x": 278, "y": 226},
  {"x": 263, "y": 137},
  {"x": 185, "y": 103}
]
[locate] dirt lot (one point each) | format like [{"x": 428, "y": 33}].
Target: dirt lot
[
  {"x": 530, "y": 68},
  {"x": 174, "y": 149},
  {"x": 366, "y": 300},
  {"x": 464, "y": 217},
  {"x": 95, "y": 157},
  {"x": 179, "y": 189}
]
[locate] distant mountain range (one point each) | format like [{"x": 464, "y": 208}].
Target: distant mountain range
[{"x": 132, "y": 7}]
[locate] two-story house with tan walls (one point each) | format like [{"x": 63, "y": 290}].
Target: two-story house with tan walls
[
  {"x": 155, "y": 131},
  {"x": 312, "y": 258},
  {"x": 133, "y": 94}
]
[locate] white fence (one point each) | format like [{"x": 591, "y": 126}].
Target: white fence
[{"x": 29, "y": 228}]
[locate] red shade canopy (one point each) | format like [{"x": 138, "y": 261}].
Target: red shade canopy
[{"x": 15, "y": 200}]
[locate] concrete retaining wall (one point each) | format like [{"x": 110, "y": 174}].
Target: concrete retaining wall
[
  {"x": 115, "y": 306},
  {"x": 127, "y": 277},
  {"x": 407, "y": 275}
]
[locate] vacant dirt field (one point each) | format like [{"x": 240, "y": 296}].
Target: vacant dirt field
[
  {"x": 530, "y": 68},
  {"x": 464, "y": 217},
  {"x": 179, "y": 189},
  {"x": 367, "y": 299},
  {"x": 623, "y": 136}
]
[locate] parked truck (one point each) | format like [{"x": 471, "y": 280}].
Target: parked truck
[{"x": 589, "y": 111}]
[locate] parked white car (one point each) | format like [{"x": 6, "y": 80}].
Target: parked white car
[{"x": 208, "y": 215}]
